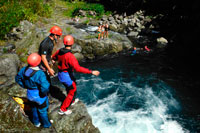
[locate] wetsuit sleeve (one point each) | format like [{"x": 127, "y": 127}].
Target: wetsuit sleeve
[
  {"x": 74, "y": 63},
  {"x": 43, "y": 82},
  {"x": 55, "y": 55},
  {"x": 20, "y": 77}
]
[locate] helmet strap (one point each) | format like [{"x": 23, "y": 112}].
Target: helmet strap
[{"x": 55, "y": 38}]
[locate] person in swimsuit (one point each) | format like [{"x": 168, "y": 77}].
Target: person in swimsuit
[
  {"x": 102, "y": 31},
  {"x": 99, "y": 32},
  {"x": 106, "y": 30}
]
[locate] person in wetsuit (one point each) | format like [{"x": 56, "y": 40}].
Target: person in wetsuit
[
  {"x": 46, "y": 48},
  {"x": 67, "y": 64},
  {"x": 34, "y": 80}
]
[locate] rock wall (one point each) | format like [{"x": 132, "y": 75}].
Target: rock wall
[
  {"x": 25, "y": 40},
  {"x": 15, "y": 119},
  {"x": 8, "y": 69}
]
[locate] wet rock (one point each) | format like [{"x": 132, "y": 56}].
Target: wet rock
[
  {"x": 77, "y": 122},
  {"x": 133, "y": 33},
  {"x": 161, "y": 42}
]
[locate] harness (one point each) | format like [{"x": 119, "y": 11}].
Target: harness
[
  {"x": 60, "y": 62},
  {"x": 31, "y": 74},
  {"x": 28, "y": 77}
]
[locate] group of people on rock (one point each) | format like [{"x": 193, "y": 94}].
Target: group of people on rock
[
  {"x": 35, "y": 77},
  {"x": 102, "y": 31}
]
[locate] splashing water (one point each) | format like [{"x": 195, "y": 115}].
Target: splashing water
[{"x": 139, "y": 105}]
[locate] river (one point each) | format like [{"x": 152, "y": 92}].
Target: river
[{"x": 136, "y": 94}]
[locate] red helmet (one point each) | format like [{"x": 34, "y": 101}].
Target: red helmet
[
  {"x": 56, "y": 30},
  {"x": 34, "y": 59},
  {"x": 68, "y": 40}
]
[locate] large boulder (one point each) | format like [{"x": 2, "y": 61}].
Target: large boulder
[
  {"x": 78, "y": 122},
  {"x": 88, "y": 45},
  {"x": 15, "y": 117},
  {"x": 161, "y": 42},
  {"x": 8, "y": 69},
  {"x": 12, "y": 118}
]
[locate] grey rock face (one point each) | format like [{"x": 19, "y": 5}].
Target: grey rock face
[
  {"x": 8, "y": 69},
  {"x": 12, "y": 118},
  {"x": 77, "y": 122}
]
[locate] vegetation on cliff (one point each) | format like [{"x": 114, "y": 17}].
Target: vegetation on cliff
[{"x": 13, "y": 11}]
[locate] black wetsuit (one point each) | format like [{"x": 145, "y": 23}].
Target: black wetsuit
[{"x": 46, "y": 48}]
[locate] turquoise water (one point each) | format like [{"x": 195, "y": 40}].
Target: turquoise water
[{"x": 134, "y": 95}]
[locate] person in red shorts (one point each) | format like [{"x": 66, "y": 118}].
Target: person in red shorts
[{"x": 67, "y": 63}]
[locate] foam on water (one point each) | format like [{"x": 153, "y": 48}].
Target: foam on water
[{"x": 119, "y": 107}]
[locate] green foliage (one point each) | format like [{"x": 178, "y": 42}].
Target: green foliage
[
  {"x": 23, "y": 59},
  {"x": 86, "y": 22},
  {"x": 91, "y": 36},
  {"x": 13, "y": 11},
  {"x": 70, "y": 30},
  {"x": 108, "y": 13},
  {"x": 5, "y": 50},
  {"x": 74, "y": 7},
  {"x": 2, "y": 43}
]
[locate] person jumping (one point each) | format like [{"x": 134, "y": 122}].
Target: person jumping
[{"x": 67, "y": 63}]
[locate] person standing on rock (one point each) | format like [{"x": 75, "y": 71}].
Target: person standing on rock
[
  {"x": 106, "y": 30},
  {"x": 34, "y": 80},
  {"x": 46, "y": 48},
  {"x": 99, "y": 32},
  {"x": 67, "y": 63},
  {"x": 102, "y": 31}
]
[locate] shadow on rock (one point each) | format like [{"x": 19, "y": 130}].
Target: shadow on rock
[{"x": 56, "y": 93}]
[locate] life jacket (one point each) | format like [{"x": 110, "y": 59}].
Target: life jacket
[
  {"x": 61, "y": 58},
  {"x": 33, "y": 93}
]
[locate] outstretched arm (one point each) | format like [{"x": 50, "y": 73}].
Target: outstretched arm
[{"x": 74, "y": 63}]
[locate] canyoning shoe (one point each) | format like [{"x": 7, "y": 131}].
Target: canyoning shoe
[
  {"x": 38, "y": 125},
  {"x": 68, "y": 112},
  {"x": 51, "y": 121},
  {"x": 75, "y": 101}
]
